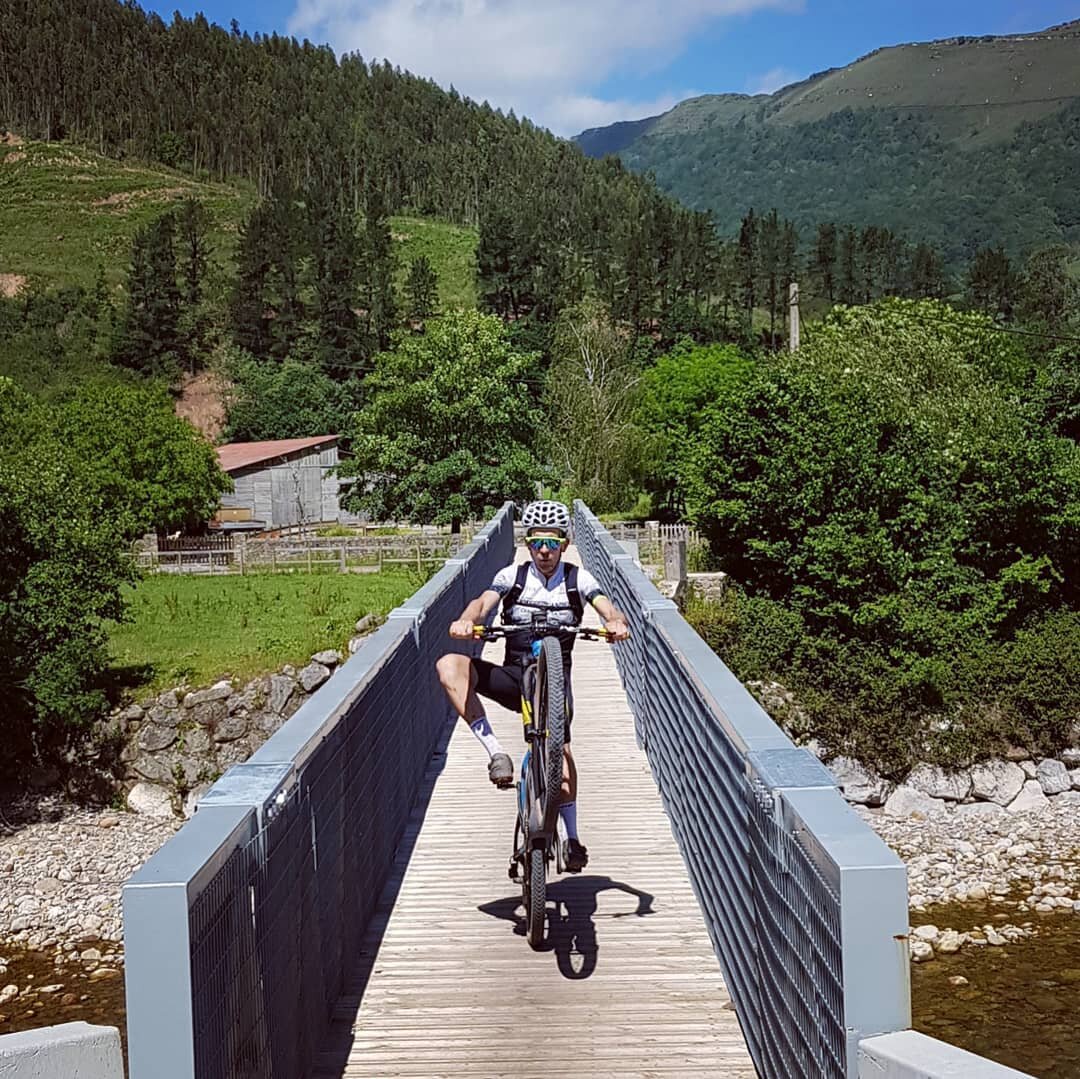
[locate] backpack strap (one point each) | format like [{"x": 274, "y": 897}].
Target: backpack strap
[
  {"x": 573, "y": 593},
  {"x": 511, "y": 597}
]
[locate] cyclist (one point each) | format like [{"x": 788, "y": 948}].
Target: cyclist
[{"x": 544, "y": 582}]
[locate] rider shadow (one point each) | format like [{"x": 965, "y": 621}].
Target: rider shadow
[{"x": 571, "y": 930}]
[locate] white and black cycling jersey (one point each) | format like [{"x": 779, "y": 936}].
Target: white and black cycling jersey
[{"x": 539, "y": 592}]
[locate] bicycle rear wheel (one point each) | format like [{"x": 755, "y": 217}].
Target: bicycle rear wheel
[{"x": 551, "y": 711}]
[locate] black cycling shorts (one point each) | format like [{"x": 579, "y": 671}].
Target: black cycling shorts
[{"x": 502, "y": 684}]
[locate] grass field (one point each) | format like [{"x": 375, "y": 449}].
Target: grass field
[
  {"x": 450, "y": 249},
  {"x": 66, "y": 212},
  {"x": 196, "y": 630}
]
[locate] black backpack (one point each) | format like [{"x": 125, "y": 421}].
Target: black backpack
[{"x": 573, "y": 595}]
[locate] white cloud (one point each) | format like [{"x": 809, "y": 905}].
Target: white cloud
[
  {"x": 543, "y": 58},
  {"x": 772, "y": 80}
]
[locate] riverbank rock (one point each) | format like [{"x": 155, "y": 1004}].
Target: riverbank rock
[
  {"x": 909, "y": 802},
  {"x": 182, "y": 740},
  {"x": 1031, "y": 799},
  {"x": 948, "y": 786},
  {"x": 997, "y": 781},
  {"x": 859, "y": 784}
]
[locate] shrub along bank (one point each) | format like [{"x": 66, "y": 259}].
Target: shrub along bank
[{"x": 904, "y": 525}]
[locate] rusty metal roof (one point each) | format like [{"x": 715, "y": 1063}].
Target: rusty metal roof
[{"x": 236, "y": 455}]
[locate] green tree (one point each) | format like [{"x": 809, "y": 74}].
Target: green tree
[
  {"x": 287, "y": 400},
  {"x": 993, "y": 286},
  {"x": 894, "y": 486},
  {"x": 448, "y": 429},
  {"x": 677, "y": 392},
  {"x": 422, "y": 288},
  {"x": 1048, "y": 292},
  {"x": 593, "y": 387},
  {"x": 193, "y": 259},
  {"x": 149, "y": 338},
  {"x": 146, "y": 468}
]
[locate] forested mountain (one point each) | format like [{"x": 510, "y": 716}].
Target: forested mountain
[
  {"x": 958, "y": 143},
  {"x": 289, "y": 116}
]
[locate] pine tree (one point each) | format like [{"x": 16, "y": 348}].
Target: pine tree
[
  {"x": 379, "y": 272},
  {"x": 192, "y": 260},
  {"x": 149, "y": 337},
  {"x": 825, "y": 259},
  {"x": 422, "y": 288}
]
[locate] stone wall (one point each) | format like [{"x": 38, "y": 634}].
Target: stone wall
[{"x": 175, "y": 745}]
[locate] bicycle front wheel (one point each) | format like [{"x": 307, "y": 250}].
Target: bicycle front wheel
[
  {"x": 551, "y": 711},
  {"x": 536, "y": 897}
]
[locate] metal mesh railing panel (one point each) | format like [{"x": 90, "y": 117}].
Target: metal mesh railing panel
[{"x": 797, "y": 918}]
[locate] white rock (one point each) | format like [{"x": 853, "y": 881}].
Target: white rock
[
  {"x": 997, "y": 781},
  {"x": 907, "y": 802},
  {"x": 948, "y": 942},
  {"x": 927, "y": 932},
  {"x": 1071, "y": 758},
  {"x": 980, "y": 810},
  {"x": 921, "y": 951},
  {"x": 860, "y": 784},
  {"x": 313, "y": 676},
  {"x": 1031, "y": 770},
  {"x": 330, "y": 657},
  {"x": 1054, "y": 776},
  {"x": 1074, "y": 775},
  {"x": 953, "y": 786},
  {"x": 150, "y": 800},
  {"x": 1030, "y": 800}
]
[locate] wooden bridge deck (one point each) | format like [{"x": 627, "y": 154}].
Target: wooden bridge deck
[{"x": 629, "y": 986}]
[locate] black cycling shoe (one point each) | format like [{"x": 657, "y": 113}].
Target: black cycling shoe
[
  {"x": 501, "y": 770},
  {"x": 575, "y": 856}
]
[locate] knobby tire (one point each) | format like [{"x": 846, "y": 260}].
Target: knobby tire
[
  {"x": 552, "y": 712},
  {"x": 537, "y": 898}
]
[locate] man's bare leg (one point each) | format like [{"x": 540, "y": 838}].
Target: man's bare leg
[
  {"x": 458, "y": 678},
  {"x": 459, "y": 681}
]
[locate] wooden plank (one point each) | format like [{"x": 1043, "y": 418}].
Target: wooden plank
[{"x": 628, "y": 985}]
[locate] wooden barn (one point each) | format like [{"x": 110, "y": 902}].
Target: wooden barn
[{"x": 279, "y": 484}]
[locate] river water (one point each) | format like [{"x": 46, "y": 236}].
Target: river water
[{"x": 1021, "y": 1005}]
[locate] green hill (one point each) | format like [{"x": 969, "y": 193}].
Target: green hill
[
  {"x": 68, "y": 212},
  {"x": 960, "y": 142}
]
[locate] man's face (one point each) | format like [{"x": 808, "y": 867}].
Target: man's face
[{"x": 546, "y": 548}]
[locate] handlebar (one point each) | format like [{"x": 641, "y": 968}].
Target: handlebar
[{"x": 494, "y": 633}]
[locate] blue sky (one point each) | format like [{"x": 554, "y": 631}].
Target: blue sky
[{"x": 571, "y": 64}]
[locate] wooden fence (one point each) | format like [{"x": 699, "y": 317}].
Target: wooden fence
[{"x": 310, "y": 554}]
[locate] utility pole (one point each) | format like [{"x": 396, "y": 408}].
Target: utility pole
[{"x": 793, "y": 316}]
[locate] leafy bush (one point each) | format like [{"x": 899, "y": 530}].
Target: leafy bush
[
  {"x": 893, "y": 486},
  {"x": 79, "y": 478}
]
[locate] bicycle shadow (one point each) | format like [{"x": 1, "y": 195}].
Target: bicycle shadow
[{"x": 571, "y": 930}]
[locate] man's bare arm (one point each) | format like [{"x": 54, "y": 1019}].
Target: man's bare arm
[
  {"x": 474, "y": 614},
  {"x": 614, "y": 620}
]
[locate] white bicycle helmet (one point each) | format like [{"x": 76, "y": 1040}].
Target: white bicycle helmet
[{"x": 545, "y": 514}]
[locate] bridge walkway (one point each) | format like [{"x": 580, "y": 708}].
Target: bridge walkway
[{"x": 629, "y": 985}]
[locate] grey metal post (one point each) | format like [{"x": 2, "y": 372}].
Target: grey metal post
[{"x": 157, "y": 947}]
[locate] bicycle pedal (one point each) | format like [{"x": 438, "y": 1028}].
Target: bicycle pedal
[{"x": 514, "y": 872}]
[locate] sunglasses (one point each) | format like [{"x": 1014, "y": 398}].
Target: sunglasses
[{"x": 545, "y": 544}]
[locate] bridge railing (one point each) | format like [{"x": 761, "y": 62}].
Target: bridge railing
[
  {"x": 805, "y": 905},
  {"x": 240, "y": 932}
]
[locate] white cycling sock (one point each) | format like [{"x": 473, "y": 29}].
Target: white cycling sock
[
  {"x": 486, "y": 736},
  {"x": 568, "y": 815}
]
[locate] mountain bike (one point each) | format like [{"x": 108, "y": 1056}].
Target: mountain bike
[{"x": 544, "y": 714}]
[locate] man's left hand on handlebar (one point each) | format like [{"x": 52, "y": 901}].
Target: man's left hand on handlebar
[
  {"x": 617, "y": 629},
  {"x": 462, "y": 629}
]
